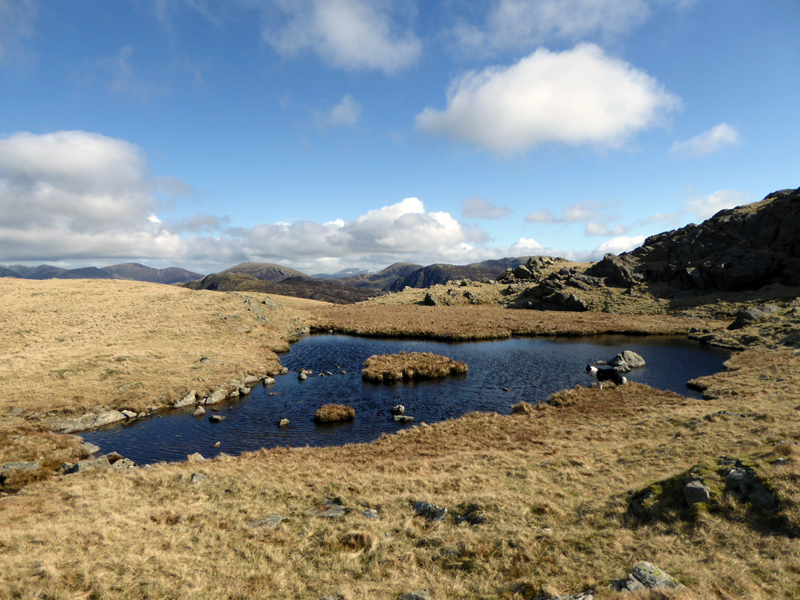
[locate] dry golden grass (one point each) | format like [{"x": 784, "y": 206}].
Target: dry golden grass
[
  {"x": 488, "y": 322},
  {"x": 554, "y": 484},
  {"x": 333, "y": 413},
  {"x": 389, "y": 368},
  {"x": 554, "y": 481}
]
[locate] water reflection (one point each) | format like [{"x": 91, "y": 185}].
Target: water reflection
[{"x": 528, "y": 369}]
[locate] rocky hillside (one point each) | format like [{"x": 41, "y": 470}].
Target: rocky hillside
[
  {"x": 265, "y": 271},
  {"x": 743, "y": 248},
  {"x": 127, "y": 271},
  {"x": 295, "y": 287},
  {"x": 438, "y": 274}
]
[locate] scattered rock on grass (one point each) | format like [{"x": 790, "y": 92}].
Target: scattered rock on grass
[
  {"x": 331, "y": 509},
  {"x": 431, "y": 512},
  {"x": 646, "y": 576},
  {"x": 272, "y": 522},
  {"x": 417, "y": 595},
  {"x": 198, "y": 477}
]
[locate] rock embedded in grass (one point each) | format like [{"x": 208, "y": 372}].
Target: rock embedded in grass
[
  {"x": 388, "y": 368},
  {"x": 332, "y": 413}
]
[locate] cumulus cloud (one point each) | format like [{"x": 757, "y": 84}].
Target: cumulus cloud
[
  {"x": 352, "y": 34},
  {"x": 711, "y": 141},
  {"x": 707, "y": 206},
  {"x": 619, "y": 245},
  {"x": 73, "y": 194},
  {"x": 579, "y": 96},
  {"x": 346, "y": 113},
  {"x": 478, "y": 208},
  {"x": 522, "y": 24}
]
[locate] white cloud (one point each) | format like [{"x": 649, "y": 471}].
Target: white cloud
[
  {"x": 346, "y": 113},
  {"x": 16, "y": 24},
  {"x": 618, "y": 245},
  {"x": 523, "y": 24},
  {"x": 709, "y": 142},
  {"x": 478, "y": 208},
  {"x": 575, "y": 213},
  {"x": 352, "y": 34},
  {"x": 707, "y": 206},
  {"x": 575, "y": 97},
  {"x": 73, "y": 194},
  {"x": 594, "y": 229}
]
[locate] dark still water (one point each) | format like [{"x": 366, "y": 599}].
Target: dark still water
[{"x": 530, "y": 368}]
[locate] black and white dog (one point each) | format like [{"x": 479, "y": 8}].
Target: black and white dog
[{"x": 601, "y": 375}]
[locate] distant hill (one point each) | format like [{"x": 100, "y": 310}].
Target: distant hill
[
  {"x": 353, "y": 272},
  {"x": 383, "y": 279},
  {"x": 296, "y": 287},
  {"x": 264, "y": 271},
  {"x": 129, "y": 271},
  {"x": 442, "y": 273}
]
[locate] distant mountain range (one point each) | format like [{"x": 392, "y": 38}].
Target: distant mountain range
[{"x": 129, "y": 271}]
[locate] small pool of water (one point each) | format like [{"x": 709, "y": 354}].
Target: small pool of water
[{"x": 530, "y": 368}]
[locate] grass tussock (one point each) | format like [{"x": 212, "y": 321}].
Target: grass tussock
[
  {"x": 333, "y": 413},
  {"x": 389, "y": 368}
]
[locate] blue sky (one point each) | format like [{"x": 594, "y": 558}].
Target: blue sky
[{"x": 326, "y": 134}]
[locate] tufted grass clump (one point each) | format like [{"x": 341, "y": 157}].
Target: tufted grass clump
[
  {"x": 389, "y": 368},
  {"x": 333, "y": 413}
]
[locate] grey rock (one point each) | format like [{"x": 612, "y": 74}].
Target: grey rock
[
  {"x": 124, "y": 464},
  {"x": 198, "y": 477},
  {"x": 108, "y": 417},
  {"x": 88, "y": 448},
  {"x": 90, "y": 464},
  {"x": 431, "y": 512},
  {"x": 618, "y": 271},
  {"x": 627, "y": 360},
  {"x": 20, "y": 466},
  {"x": 696, "y": 492},
  {"x": 370, "y": 513},
  {"x": 216, "y": 419},
  {"x": 302, "y": 376},
  {"x": 217, "y": 397},
  {"x": 753, "y": 315},
  {"x": 188, "y": 400},
  {"x": 251, "y": 380},
  {"x": 430, "y": 300},
  {"x": 654, "y": 578},
  {"x": 244, "y": 390},
  {"x": 283, "y": 423},
  {"x": 129, "y": 414},
  {"x": 398, "y": 410},
  {"x": 199, "y": 412},
  {"x": 416, "y": 595},
  {"x": 269, "y": 381}
]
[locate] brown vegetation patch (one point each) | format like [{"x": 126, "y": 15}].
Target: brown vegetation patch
[
  {"x": 389, "y": 368},
  {"x": 487, "y": 322},
  {"x": 332, "y": 413}
]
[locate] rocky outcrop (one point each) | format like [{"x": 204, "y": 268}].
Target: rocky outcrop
[{"x": 737, "y": 249}]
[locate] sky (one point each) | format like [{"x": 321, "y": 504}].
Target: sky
[{"x": 331, "y": 134}]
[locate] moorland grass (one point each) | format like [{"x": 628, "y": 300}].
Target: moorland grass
[{"x": 554, "y": 481}]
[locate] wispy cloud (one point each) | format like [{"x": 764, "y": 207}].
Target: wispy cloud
[
  {"x": 707, "y": 206},
  {"x": 575, "y": 213},
  {"x": 711, "y": 141},
  {"x": 478, "y": 208},
  {"x": 17, "y": 18},
  {"x": 575, "y": 97},
  {"x": 346, "y": 113}
]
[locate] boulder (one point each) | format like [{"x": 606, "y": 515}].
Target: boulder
[
  {"x": 753, "y": 315},
  {"x": 617, "y": 271},
  {"x": 430, "y": 300},
  {"x": 330, "y": 509},
  {"x": 216, "y": 419},
  {"x": 696, "y": 492},
  {"x": 199, "y": 412},
  {"x": 627, "y": 360},
  {"x": 188, "y": 400},
  {"x": 217, "y": 397},
  {"x": 89, "y": 465},
  {"x": 108, "y": 417},
  {"x": 398, "y": 410}
]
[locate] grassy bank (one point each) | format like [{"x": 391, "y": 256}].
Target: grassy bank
[{"x": 556, "y": 484}]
